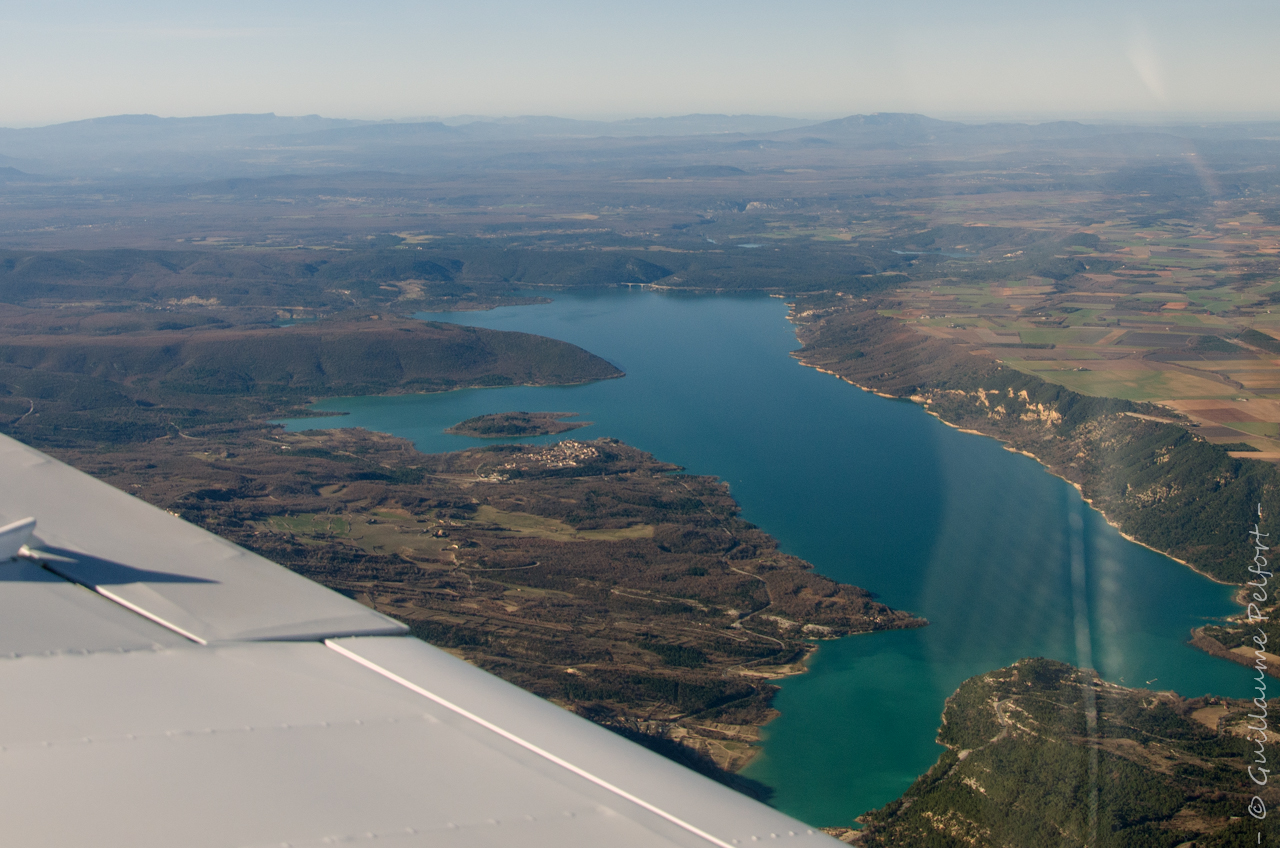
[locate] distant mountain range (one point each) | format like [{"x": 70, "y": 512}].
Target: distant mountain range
[
  {"x": 150, "y": 131},
  {"x": 222, "y": 146}
]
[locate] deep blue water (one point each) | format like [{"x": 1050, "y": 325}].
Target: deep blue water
[{"x": 1005, "y": 560}]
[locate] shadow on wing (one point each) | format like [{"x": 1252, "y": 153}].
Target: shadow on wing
[{"x": 90, "y": 570}]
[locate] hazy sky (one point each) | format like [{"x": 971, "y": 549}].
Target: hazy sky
[{"x": 816, "y": 58}]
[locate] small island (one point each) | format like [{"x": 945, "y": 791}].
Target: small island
[{"x": 503, "y": 424}]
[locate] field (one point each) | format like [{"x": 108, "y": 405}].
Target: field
[
  {"x": 383, "y": 532},
  {"x": 1177, "y": 316}
]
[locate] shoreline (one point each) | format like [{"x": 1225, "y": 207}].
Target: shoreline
[
  {"x": 1047, "y": 468},
  {"x": 1214, "y": 648},
  {"x": 1197, "y": 640},
  {"x": 748, "y": 734},
  {"x": 769, "y": 673}
]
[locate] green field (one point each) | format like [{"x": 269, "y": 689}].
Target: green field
[
  {"x": 1081, "y": 336},
  {"x": 524, "y": 524},
  {"x": 1130, "y": 385},
  {"x": 311, "y": 524},
  {"x": 1256, "y": 428}
]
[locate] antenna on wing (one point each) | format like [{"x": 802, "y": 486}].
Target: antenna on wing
[{"x": 14, "y": 538}]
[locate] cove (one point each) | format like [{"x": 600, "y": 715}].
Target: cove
[{"x": 1005, "y": 560}]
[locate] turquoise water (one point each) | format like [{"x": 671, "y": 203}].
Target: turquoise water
[{"x": 1005, "y": 560}]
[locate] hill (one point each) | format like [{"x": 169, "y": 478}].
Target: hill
[
  {"x": 134, "y": 386},
  {"x": 1043, "y": 754}
]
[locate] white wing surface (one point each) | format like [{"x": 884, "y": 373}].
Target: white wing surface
[{"x": 160, "y": 686}]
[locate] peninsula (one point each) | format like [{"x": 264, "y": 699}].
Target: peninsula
[
  {"x": 590, "y": 573},
  {"x": 114, "y": 380}
]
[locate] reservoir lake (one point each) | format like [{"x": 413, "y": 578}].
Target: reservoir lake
[{"x": 1005, "y": 560}]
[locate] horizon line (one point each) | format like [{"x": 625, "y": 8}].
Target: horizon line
[{"x": 1098, "y": 117}]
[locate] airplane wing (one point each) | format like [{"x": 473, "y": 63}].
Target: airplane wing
[{"x": 160, "y": 686}]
